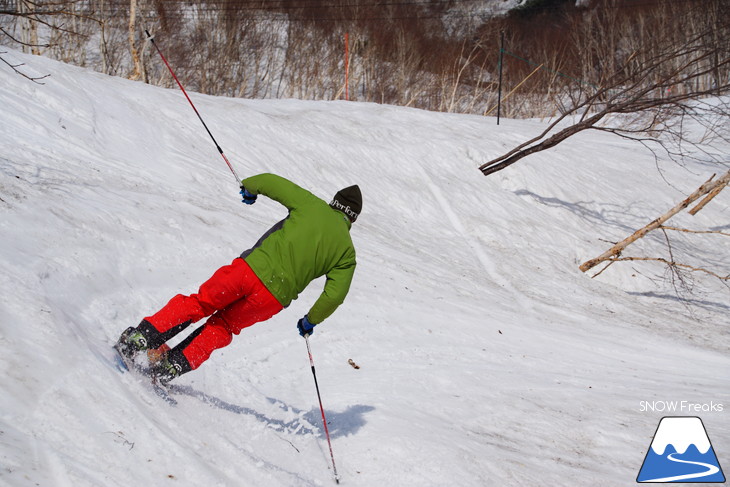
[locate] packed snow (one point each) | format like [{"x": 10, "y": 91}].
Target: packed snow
[{"x": 486, "y": 358}]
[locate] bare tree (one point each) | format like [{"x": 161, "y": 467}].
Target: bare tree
[
  {"x": 58, "y": 28},
  {"x": 406, "y": 53},
  {"x": 132, "y": 37},
  {"x": 648, "y": 96}
]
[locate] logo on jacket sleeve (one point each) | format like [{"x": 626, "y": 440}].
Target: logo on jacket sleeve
[{"x": 681, "y": 452}]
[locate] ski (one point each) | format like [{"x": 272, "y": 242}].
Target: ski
[
  {"x": 119, "y": 362},
  {"x": 123, "y": 366}
]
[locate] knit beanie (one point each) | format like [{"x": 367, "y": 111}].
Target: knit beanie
[{"x": 348, "y": 201}]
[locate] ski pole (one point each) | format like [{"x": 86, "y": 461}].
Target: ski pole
[
  {"x": 321, "y": 408},
  {"x": 152, "y": 40}
]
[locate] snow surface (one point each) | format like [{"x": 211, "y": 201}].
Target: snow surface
[{"x": 486, "y": 357}]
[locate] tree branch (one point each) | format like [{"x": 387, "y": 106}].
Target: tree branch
[
  {"x": 616, "y": 250},
  {"x": 672, "y": 264},
  {"x": 632, "y": 90},
  {"x": 34, "y": 79},
  {"x": 685, "y": 230}
]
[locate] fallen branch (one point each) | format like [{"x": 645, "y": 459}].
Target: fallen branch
[
  {"x": 686, "y": 230},
  {"x": 707, "y": 199},
  {"x": 672, "y": 264},
  {"x": 616, "y": 250}
]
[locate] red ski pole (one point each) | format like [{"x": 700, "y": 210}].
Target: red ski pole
[
  {"x": 321, "y": 408},
  {"x": 152, "y": 40}
]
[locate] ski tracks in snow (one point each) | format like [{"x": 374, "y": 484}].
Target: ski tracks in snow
[{"x": 473, "y": 243}]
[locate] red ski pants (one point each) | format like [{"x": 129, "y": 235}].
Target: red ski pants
[{"x": 234, "y": 296}]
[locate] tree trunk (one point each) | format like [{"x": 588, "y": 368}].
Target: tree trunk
[{"x": 137, "y": 72}]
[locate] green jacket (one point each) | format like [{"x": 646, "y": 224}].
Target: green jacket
[{"x": 313, "y": 241}]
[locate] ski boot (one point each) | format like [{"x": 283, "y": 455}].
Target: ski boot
[
  {"x": 130, "y": 343},
  {"x": 170, "y": 365},
  {"x": 135, "y": 340}
]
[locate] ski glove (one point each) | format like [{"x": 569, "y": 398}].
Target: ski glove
[
  {"x": 248, "y": 198},
  {"x": 305, "y": 327}
]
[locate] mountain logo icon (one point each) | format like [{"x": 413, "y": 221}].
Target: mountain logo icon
[{"x": 681, "y": 452}]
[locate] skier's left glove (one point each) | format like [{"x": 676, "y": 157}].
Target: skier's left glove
[
  {"x": 305, "y": 327},
  {"x": 248, "y": 198}
]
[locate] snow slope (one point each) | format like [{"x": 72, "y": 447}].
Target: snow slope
[{"x": 486, "y": 357}]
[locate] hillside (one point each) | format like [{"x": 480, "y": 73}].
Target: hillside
[
  {"x": 486, "y": 357},
  {"x": 535, "y": 58}
]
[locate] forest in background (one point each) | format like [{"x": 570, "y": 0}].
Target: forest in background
[{"x": 441, "y": 55}]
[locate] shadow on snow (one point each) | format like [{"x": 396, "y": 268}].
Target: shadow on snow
[{"x": 340, "y": 424}]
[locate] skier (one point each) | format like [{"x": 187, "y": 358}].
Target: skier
[{"x": 312, "y": 241}]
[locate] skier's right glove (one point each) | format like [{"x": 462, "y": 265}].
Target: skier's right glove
[
  {"x": 248, "y": 198},
  {"x": 305, "y": 327}
]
